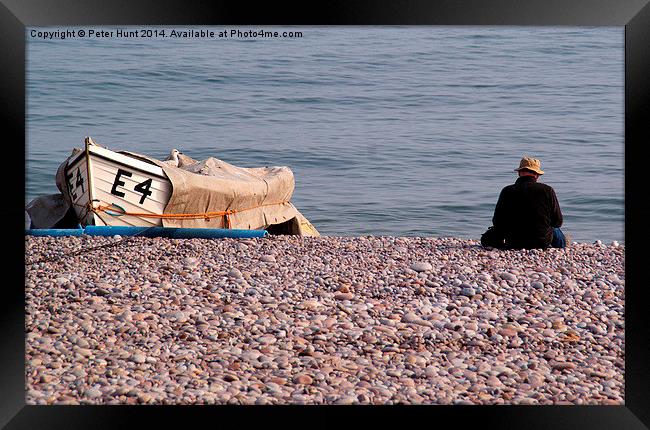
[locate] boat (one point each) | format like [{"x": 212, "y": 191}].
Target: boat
[
  {"x": 102, "y": 187},
  {"x": 98, "y": 177}
]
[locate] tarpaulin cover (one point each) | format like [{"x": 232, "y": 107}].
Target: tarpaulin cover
[
  {"x": 50, "y": 211},
  {"x": 259, "y": 195}
]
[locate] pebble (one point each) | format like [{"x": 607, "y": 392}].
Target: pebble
[
  {"x": 190, "y": 262},
  {"x": 535, "y": 380},
  {"x": 414, "y": 319},
  {"x": 489, "y": 315},
  {"x": 329, "y": 320},
  {"x": 468, "y": 291},
  {"x": 138, "y": 358},
  {"x": 267, "y": 258},
  {"x": 563, "y": 366},
  {"x": 421, "y": 266},
  {"x": 92, "y": 393},
  {"x": 303, "y": 379},
  {"x": 507, "y": 332},
  {"x": 508, "y": 277},
  {"x": 344, "y": 296},
  {"x": 235, "y": 273}
]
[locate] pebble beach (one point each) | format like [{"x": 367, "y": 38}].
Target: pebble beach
[{"x": 329, "y": 320}]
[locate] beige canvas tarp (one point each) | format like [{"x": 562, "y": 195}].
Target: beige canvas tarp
[{"x": 259, "y": 196}]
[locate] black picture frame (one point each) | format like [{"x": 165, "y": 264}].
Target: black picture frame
[{"x": 15, "y": 15}]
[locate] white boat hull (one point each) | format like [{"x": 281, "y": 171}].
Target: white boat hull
[{"x": 98, "y": 177}]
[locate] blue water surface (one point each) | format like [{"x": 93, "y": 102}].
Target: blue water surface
[{"x": 402, "y": 131}]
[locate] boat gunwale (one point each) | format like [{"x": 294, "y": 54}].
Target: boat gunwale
[{"x": 121, "y": 159}]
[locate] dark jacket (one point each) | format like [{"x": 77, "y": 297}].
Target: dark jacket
[{"x": 526, "y": 213}]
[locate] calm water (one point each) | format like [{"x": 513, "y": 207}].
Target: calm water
[{"x": 389, "y": 130}]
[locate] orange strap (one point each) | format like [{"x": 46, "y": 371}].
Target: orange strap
[{"x": 205, "y": 215}]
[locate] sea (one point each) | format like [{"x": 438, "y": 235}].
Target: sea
[{"x": 389, "y": 131}]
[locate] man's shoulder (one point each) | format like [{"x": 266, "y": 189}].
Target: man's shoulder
[
  {"x": 531, "y": 186},
  {"x": 508, "y": 188},
  {"x": 544, "y": 186}
]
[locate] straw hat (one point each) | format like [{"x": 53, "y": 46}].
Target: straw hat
[{"x": 532, "y": 164}]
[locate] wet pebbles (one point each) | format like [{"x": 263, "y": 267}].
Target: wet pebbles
[{"x": 365, "y": 320}]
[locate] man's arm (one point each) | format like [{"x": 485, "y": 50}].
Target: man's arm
[
  {"x": 499, "y": 220},
  {"x": 556, "y": 212}
]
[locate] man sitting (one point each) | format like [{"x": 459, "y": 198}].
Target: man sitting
[{"x": 527, "y": 214}]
